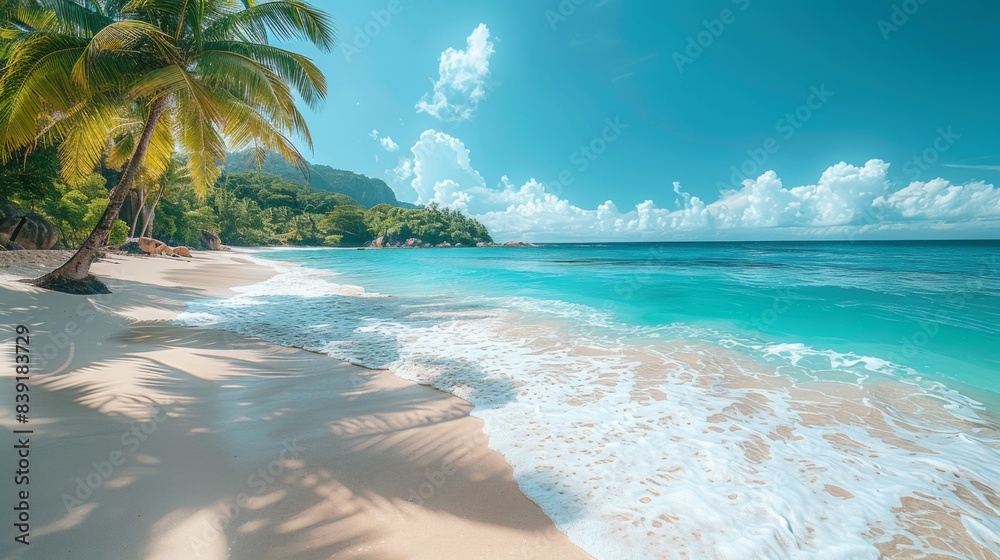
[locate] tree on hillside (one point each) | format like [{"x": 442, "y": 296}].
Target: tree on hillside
[
  {"x": 345, "y": 226},
  {"x": 200, "y": 76}
]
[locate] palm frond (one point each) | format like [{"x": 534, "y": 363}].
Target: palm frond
[
  {"x": 122, "y": 42},
  {"x": 245, "y": 128},
  {"x": 84, "y": 139},
  {"x": 198, "y": 113},
  {"x": 288, "y": 20},
  {"x": 161, "y": 149},
  {"x": 86, "y": 20},
  {"x": 294, "y": 69},
  {"x": 85, "y": 74},
  {"x": 36, "y": 81},
  {"x": 158, "y": 82}
]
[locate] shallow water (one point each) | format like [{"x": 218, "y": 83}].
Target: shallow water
[{"x": 774, "y": 400}]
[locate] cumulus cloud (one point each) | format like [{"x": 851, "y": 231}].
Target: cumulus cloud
[
  {"x": 385, "y": 141},
  {"x": 941, "y": 200},
  {"x": 388, "y": 144},
  {"x": 440, "y": 164},
  {"x": 846, "y": 200},
  {"x": 463, "y": 79}
]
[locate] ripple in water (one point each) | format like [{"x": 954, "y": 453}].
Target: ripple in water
[{"x": 673, "y": 447}]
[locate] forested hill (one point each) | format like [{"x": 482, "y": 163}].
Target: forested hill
[
  {"x": 39, "y": 210},
  {"x": 366, "y": 190}
]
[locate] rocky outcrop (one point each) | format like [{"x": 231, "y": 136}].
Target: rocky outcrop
[
  {"x": 390, "y": 242},
  {"x": 182, "y": 252},
  {"x": 517, "y": 244},
  {"x": 131, "y": 246},
  {"x": 7, "y": 245},
  {"x": 385, "y": 241},
  {"x": 210, "y": 241},
  {"x": 30, "y": 231},
  {"x": 151, "y": 246}
]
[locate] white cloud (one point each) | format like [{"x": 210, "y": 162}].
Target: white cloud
[
  {"x": 389, "y": 145},
  {"x": 440, "y": 165},
  {"x": 847, "y": 200},
  {"x": 463, "y": 79},
  {"x": 941, "y": 200},
  {"x": 385, "y": 141}
]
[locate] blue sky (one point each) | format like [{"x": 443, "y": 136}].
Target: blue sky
[{"x": 531, "y": 115}]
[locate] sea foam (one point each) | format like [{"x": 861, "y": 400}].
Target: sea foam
[{"x": 673, "y": 445}]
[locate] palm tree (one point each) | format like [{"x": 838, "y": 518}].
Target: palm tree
[
  {"x": 148, "y": 192},
  {"x": 131, "y": 81},
  {"x": 173, "y": 177}
]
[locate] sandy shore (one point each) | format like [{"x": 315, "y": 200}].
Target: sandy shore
[{"x": 158, "y": 441}]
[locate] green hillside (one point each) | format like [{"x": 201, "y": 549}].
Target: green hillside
[
  {"x": 248, "y": 208},
  {"x": 257, "y": 208},
  {"x": 366, "y": 190}
]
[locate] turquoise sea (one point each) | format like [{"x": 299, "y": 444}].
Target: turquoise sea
[{"x": 702, "y": 400}]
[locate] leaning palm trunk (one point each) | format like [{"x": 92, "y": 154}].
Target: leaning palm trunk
[
  {"x": 147, "y": 225},
  {"x": 150, "y": 215},
  {"x": 74, "y": 276},
  {"x": 139, "y": 212}
]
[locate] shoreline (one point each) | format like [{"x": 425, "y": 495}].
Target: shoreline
[
  {"x": 729, "y": 400},
  {"x": 251, "y": 450}
]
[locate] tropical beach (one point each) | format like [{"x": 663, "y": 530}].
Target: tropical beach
[
  {"x": 747, "y": 426},
  {"x": 561, "y": 279},
  {"x": 206, "y": 444},
  {"x": 271, "y": 404}
]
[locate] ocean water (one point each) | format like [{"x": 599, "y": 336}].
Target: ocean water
[{"x": 716, "y": 400}]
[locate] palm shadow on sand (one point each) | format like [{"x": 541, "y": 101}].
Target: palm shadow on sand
[{"x": 372, "y": 452}]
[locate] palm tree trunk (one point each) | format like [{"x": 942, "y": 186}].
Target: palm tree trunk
[
  {"x": 147, "y": 226},
  {"x": 138, "y": 212},
  {"x": 151, "y": 215},
  {"x": 74, "y": 276}
]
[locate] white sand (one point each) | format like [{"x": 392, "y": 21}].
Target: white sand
[{"x": 362, "y": 464}]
